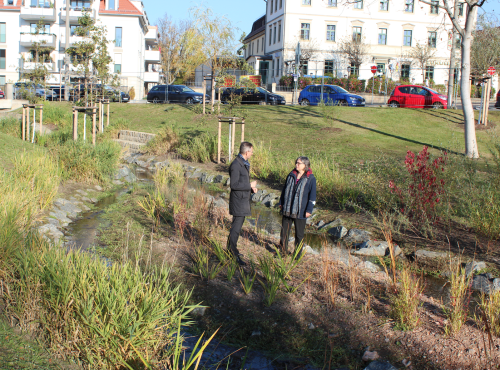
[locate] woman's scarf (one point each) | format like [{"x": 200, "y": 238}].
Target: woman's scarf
[{"x": 294, "y": 192}]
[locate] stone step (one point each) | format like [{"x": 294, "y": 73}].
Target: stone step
[
  {"x": 131, "y": 145},
  {"x": 135, "y": 136}
]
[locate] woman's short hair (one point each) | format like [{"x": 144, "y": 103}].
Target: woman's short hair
[
  {"x": 306, "y": 162},
  {"x": 245, "y": 147}
]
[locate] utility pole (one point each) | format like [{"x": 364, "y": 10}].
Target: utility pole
[
  {"x": 66, "y": 56},
  {"x": 453, "y": 70}
]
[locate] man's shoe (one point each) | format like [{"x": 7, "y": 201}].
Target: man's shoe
[
  {"x": 240, "y": 261},
  {"x": 240, "y": 255}
]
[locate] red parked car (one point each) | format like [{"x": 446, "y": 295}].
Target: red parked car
[
  {"x": 414, "y": 96},
  {"x": 2, "y": 95}
]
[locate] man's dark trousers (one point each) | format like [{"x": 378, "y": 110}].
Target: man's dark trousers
[{"x": 234, "y": 234}]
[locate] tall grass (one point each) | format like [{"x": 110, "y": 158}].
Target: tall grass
[
  {"x": 87, "y": 163},
  {"x": 165, "y": 141},
  {"x": 57, "y": 115},
  {"x": 202, "y": 148},
  {"x": 11, "y": 126}
]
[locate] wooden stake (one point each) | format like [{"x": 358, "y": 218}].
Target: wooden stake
[
  {"x": 219, "y": 141},
  {"x": 34, "y": 126},
  {"x": 28, "y": 124},
  {"x": 93, "y": 126},
  {"x": 204, "y": 84},
  {"x": 242, "y": 130},
  {"x": 487, "y": 101},
  {"x": 75, "y": 124},
  {"x": 24, "y": 124},
  {"x": 41, "y": 118},
  {"x": 107, "y": 116}
]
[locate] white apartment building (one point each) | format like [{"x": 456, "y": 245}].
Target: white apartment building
[
  {"x": 132, "y": 47},
  {"x": 391, "y": 28}
]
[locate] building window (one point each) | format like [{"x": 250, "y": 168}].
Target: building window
[
  {"x": 330, "y": 32},
  {"x": 358, "y": 4},
  {"x": 329, "y": 67},
  {"x": 274, "y": 40},
  {"x": 409, "y": 6},
  {"x": 354, "y": 70},
  {"x": 3, "y": 34},
  {"x": 118, "y": 37},
  {"x": 72, "y": 30},
  {"x": 258, "y": 45},
  {"x": 405, "y": 71},
  {"x": 382, "y": 36},
  {"x": 281, "y": 4},
  {"x": 304, "y": 67},
  {"x": 277, "y": 67},
  {"x": 118, "y": 68},
  {"x": 80, "y": 4},
  {"x": 434, "y": 6},
  {"x": 381, "y": 68},
  {"x": 279, "y": 32},
  {"x": 111, "y": 4},
  {"x": 270, "y": 34},
  {"x": 2, "y": 59},
  {"x": 271, "y": 7},
  {"x": 461, "y": 9},
  {"x": 45, "y": 28},
  {"x": 40, "y": 4},
  {"x": 262, "y": 47},
  {"x": 305, "y": 28},
  {"x": 272, "y": 69},
  {"x": 306, "y": 2},
  {"x": 356, "y": 34},
  {"x": 2, "y": 80},
  {"x": 276, "y": 5},
  {"x": 407, "y": 38},
  {"x": 384, "y": 5},
  {"x": 432, "y": 38},
  {"x": 332, "y": 2},
  {"x": 429, "y": 73}
]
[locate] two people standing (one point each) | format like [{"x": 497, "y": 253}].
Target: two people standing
[{"x": 297, "y": 200}]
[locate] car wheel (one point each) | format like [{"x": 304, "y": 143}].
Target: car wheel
[
  {"x": 394, "y": 104},
  {"x": 304, "y": 102},
  {"x": 189, "y": 101},
  {"x": 437, "y": 105},
  {"x": 343, "y": 103},
  {"x": 156, "y": 100}
]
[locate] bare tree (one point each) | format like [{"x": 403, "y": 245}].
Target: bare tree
[
  {"x": 181, "y": 48},
  {"x": 485, "y": 48},
  {"x": 354, "y": 50},
  {"x": 309, "y": 50},
  {"x": 421, "y": 54},
  {"x": 470, "y": 10}
]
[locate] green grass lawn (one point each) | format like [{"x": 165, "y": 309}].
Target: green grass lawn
[
  {"x": 10, "y": 147},
  {"x": 355, "y": 134}
]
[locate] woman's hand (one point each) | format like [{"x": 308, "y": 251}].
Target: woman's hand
[{"x": 308, "y": 215}]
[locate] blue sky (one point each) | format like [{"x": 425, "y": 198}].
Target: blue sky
[{"x": 241, "y": 12}]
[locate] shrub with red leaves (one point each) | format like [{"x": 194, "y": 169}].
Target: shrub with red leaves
[{"x": 420, "y": 199}]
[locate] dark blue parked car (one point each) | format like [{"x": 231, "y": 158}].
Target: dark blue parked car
[
  {"x": 332, "y": 95},
  {"x": 176, "y": 94}
]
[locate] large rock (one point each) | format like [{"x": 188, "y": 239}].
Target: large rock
[
  {"x": 206, "y": 178},
  {"x": 221, "y": 203},
  {"x": 125, "y": 174},
  {"x": 337, "y": 232},
  {"x": 474, "y": 266},
  {"x": 60, "y": 216},
  {"x": 357, "y": 236},
  {"x": 310, "y": 220},
  {"x": 273, "y": 227},
  {"x": 270, "y": 200},
  {"x": 482, "y": 283},
  {"x": 257, "y": 197},
  {"x": 329, "y": 225},
  {"x": 219, "y": 179},
  {"x": 196, "y": 175},
  {"x": 495, "y": 286},
  {"x": 422, "y": 253},
  {"x": 71, "y": 210},
  {"x": 369, "y": 266},
  {"x": 380, "y": 249},
  {"x": 380, "y": 365}
]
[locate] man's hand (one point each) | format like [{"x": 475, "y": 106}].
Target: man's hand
[
  {"x": 253, "y": 184},
  {"x": 254, "y": 190},
  {"x": 308, "y": 215}
]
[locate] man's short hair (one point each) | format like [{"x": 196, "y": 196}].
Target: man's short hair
[{"x": 245, "y": 147}]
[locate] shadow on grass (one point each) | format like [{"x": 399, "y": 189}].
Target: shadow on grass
[{"x": 399, "y": 137}]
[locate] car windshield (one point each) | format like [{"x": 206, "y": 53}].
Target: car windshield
[
  {"x": 185, "y": 89},
  {"x": 263, "y": 91},
  {"x": 433, "y": 91},
  {"x": 340, "y": 90}
]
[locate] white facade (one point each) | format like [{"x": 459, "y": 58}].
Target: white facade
[
  {"x": 391, "y": 28},
  {"x": 132, "y": 46}
]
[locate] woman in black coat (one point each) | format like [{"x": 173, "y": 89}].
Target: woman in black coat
[{"x": 297, "y": 201}]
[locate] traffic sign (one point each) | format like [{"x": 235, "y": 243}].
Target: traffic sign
[
  {"x": 491, "y": 71},
  {"x": 374, "y": 69}
]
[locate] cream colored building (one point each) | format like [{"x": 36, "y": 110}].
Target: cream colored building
[{"x": 391, "y": 28}]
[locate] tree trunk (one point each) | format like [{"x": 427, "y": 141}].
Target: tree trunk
[{"x": 469, "y": 129}]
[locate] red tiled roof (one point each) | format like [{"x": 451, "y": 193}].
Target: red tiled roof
[
  {"x": 125, "y": 7},
  {"x": 17, "y": 6}
]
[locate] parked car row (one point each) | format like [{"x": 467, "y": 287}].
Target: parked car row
[{"x": 23, "y": 89}]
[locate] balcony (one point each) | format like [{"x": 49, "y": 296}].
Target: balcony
[
  {"x": 75, "y": 13},
  {"x": 152, "y": 56},
  {"x": 152, "y": 34},
  {"x": 46, "y": 40},
  {"x": 50, "y": 66},
  {"x": 37, "y": 13},
  {"x": 72, "y": 40},
  {"x": 151, "y": 77}
]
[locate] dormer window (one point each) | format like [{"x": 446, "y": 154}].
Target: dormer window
[{"x": 112, "y": 4}]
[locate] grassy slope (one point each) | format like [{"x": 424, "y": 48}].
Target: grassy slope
[
  {"x": 9, "y": 147},
  {"x": 363, "y": 131}
]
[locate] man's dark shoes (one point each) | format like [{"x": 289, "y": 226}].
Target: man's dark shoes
[{"x": 240, "y": 261}]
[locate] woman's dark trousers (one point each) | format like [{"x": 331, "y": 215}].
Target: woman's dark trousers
[{"x": 300, "y": 226}]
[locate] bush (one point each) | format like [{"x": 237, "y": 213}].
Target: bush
[
  {"x": 87, "y": 163},
  {"x": 165, "y": 141},
  {"x": 131, "y": 92},
  {"x": 379, "y": 87}
]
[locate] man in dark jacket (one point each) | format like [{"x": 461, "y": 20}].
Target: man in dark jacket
[{"x": 239, "y": 199}]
